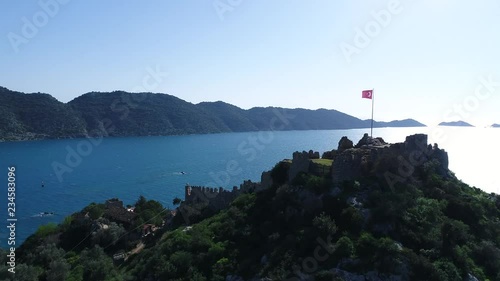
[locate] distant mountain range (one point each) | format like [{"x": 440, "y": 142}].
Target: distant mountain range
[
  {"x": 40, "y": 116},
  {"x": 456, "y": 124},
  {"x": 495, "y": 126}
]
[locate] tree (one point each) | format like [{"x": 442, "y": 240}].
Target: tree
[
  {"x": 94, "y": 210},
  {"x": 149, "y": 211},
  {"x": 97, "y": 265},
  {"x": 453, "y": 233},
  {"x": 344, "y": 247},
  {"x": 59, "y": 270},
  {"x": 221, "y": 268},
  {"x": 141, "y": 202},
  {"x": 181, "y": 260},
  {"x": 26, "y": 273},
  {"x": 110, "y": 236},
  {"x": 176, "y": 201},
  {"x": 447, "y": 270},
  {"x": 488, "y": 255},
  {"x": 279, "y": 173},
  {"x": 324, "y": 275},
  {"x": 164, "y": 269},
  {"x": 367, "y": 245},
  {"x": 325, "y": 224},
  {"x": 46, "y": 230},
  {"x": 47, "y": 254}
]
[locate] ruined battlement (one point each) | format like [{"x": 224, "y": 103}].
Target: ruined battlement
[
  {"x": 371, "y": 156},
  {"x": 301, "y": 162},
  {"x": 376, "y": 156},
  {"x": 217, "y": 198}
]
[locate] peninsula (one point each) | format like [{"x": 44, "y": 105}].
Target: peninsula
[{"x": 120, "y": 114}]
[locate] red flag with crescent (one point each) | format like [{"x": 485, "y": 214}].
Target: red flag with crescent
[{"x": 367, "y": 94}]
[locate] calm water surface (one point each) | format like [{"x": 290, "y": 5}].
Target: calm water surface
[{"x": 159, "y": 167}]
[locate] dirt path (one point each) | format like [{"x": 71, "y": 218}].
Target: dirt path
[{"x": 136, "y": 250}]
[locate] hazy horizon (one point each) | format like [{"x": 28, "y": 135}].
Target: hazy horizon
[{"x": 429, "y": 61}]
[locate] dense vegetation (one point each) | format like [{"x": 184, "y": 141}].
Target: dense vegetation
[
  {"x": 431, "y": 227},
  {"x": 36, "y": 116}
]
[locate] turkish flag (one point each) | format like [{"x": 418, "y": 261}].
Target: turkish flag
[{"x": 367, "y": 94}]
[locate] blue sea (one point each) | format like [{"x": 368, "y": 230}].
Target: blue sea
[{"x": 77, "y": 172}]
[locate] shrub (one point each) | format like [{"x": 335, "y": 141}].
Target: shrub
[
  {"x": 325, "y": 224},
  {"x": 446, "y": 270},
  {"x": 344, "y": 247},
  {"x": 46, "y": 230},
  {"x": 279, "y": 173},
  {"x": 324, "y": 275}
]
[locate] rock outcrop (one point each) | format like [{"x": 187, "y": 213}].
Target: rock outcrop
[
  {"x": 370, "y": 157},
  {"x": 377, "y": 157},
  {"x": 344, "y": 144},
  {"x": 369, "y": 141}
]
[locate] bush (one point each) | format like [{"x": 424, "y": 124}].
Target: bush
[
  {"x": 59, "y": 270},
  {"x": 325, "y": 224},
  {"x": 95, "y": 210},
  {"x": 181, "y": 260},
  {"x": 352, "y": 220},
  {"x": 97, "y": 265},
  {"x": 344, "y": 247},
  {"x": 447, "y": 271},
  {"x": 366, "y": 246},
  {"x": 488, "y": 255},
  {"x": 324, "y": 275},
  {"x": 279, "y": 173},
  {"x": 46, "y": 230}
]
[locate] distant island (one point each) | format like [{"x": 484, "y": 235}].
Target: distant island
[
  {"x": 495, "y": 126},
  {"x": 41, "y": 116},
  {"x": 456, "y": 124}
]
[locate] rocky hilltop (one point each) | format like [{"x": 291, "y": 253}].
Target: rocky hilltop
[{"x": 365, "y": 211}]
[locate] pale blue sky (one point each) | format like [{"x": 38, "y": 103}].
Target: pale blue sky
[{"x": 424, "y": 64}]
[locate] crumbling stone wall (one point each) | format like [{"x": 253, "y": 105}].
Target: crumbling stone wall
[
  {"x": 413, "y": 152},
  {"x": 217, "y": 198}
]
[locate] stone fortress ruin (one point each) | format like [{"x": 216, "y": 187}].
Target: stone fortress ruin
[{"x": 347, "y": 162}]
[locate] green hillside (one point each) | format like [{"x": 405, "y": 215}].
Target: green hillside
[
  {"x": 144, "y": 114},
  {"x": 34, "y": 116},
  {"x": 40, "y": 116}
]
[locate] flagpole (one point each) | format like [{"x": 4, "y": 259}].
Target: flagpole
[{"x": 373, "y": 100}]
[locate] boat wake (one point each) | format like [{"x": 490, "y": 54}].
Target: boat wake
[{"x": 43, "y": 214}]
